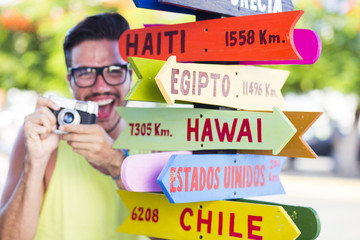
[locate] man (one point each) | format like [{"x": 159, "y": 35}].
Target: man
[{"x": 64, "y": 187}]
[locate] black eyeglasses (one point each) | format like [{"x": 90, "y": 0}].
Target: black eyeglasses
[{"x": 113, "y": 75}]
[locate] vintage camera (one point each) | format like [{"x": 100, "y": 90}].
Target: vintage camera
[{"x": 74, "y": 111}]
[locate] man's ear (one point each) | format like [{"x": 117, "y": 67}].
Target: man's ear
[{"x": 68, "y": 78}]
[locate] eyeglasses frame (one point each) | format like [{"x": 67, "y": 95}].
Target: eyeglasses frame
[{"x": 99, "y": 71}]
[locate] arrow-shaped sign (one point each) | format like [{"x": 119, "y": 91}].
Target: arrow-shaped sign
[
  {"x": 296, "y": 147},
  {"x": 235, "y": 7},
  {"x": 172, "y": 129},
  {"x": 206, "y": 177},
  {"x": 307, "y": 43},
  {"x": 145, "y": 88},
  {"x": 152, "y": 215},
  {"x": 139, "y": 172},
  {"x": 226, "y": 39},
  {"x": 155, "y": 5},
  {"x": 234, "y": 86},
  {"x": 305, "y": 218},
  {"x": 227, "y": 7}
]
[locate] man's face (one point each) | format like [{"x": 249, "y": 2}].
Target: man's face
[{"x": 100, "y": 53}]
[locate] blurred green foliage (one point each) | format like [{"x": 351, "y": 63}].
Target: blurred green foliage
[
  {"x": 338, "y": 65},
  {"x": 32, "y": 33}
]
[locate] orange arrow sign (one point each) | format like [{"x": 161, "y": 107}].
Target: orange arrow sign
[
  {"x": 296, "y": 147},
  {"x": 152, "y": 215},
  {"x": 247, "y": 38}
]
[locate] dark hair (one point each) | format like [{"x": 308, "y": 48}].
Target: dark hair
[{"x": 107, "y": 26}]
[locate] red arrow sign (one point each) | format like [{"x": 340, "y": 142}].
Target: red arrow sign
[{"x": 247, "y": 38}]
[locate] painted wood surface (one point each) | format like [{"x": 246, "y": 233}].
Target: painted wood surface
[
  {"x": 207, "y": 177},
  {"x": 156, "y": 5},
  {"x": 234, "y": 86},
  {"x": 139, "y": 172},
  {"x": 305, "y": 218},
  {"x": 247, "y": 38},
  {"x": 235, "y": 7},
  {"x": 297, "y": 146},
  {"x": 145, "y": 88},
  {"x": 152, "y": 215},
  {"x": 307, "y": 43},
  {"x": 173, "y": 129}
]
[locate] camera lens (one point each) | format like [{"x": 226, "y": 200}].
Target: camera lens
[{"x": 68, "y": 118}]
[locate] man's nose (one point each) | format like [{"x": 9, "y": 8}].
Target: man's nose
[{"x": 100, "y": 84}]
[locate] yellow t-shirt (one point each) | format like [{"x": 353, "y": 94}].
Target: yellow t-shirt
[{"x": 80, "y": 202}]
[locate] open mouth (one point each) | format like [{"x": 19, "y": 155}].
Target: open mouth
[{"x": 106, "y": 107}]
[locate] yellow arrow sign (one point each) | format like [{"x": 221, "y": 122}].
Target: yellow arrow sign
[
  {"x": 235, "y": 86},
  {"x": 152, "y": 215}
]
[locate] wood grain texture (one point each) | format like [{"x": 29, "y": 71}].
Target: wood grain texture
[
  {"x": 233, "y": 86},
  {"x": 235, "y": 8},
  {"x": 262, "y": 37},
  {"x": 305, "y": 218},
  {"x": 297, "y": 146},
  {"x": 152, "y": 215},
  {"x": 174, "y": 129},
  {"x": 207, "y": 177}
]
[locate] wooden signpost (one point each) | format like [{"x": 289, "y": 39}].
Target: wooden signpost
[
  {"x": 145, "y": 88},
  {"x": 226, "y": 39},
  {"x": 266, "y": 38},
  {"x": 172, "y": 129},
  {"x": 305, "y": 218},
  {"x": 296, "y": 147},
  {"x": 139, "y": 172},
  {"x": 234, "y": 86},
  {"x": 307, "y": 43},
  {"x": 152, "y": 215},
  {"x": 206, "y": 177},
  {"x": 156, "y": 5},
  {"x": 236, "y": 7},
  {"x": 226, "y": 7}
]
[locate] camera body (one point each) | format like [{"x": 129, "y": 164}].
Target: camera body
[{"x": 74, "y": 111}]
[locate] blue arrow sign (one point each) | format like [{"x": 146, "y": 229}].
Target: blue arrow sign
[
  {"x": 207, "y": 177},
  {"x": 155, "y": 5}
]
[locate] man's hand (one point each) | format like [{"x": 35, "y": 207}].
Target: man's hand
[
  {"x": 92, "y": 142},
  {"x": 40, "y": 139}
]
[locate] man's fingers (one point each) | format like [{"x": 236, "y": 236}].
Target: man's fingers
[
  {"x": 82, "y": 129},
  {"x": 82, "y": 146},
  {"x": 75, "y": 137},
  {"x": 46, "y": 102},
  {"x": 43, "y": 117},
  {"x": 34, "y": 131}
]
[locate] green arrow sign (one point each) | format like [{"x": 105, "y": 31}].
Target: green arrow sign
[
  {"x": 305, "y": 218},
  {"x": 234, "y": 86},
  {"x": 171, "y": 129},
  {"x": 145, "y": 88}
]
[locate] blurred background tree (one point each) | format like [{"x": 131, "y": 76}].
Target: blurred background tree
[
  {"x": 32, "y": 33},
  {"x": 338, "y": 24}
]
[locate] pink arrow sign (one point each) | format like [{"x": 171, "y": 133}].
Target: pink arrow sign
[
  {"x": 139, "y": 172},
  {"x": 307, "y": 43}
]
